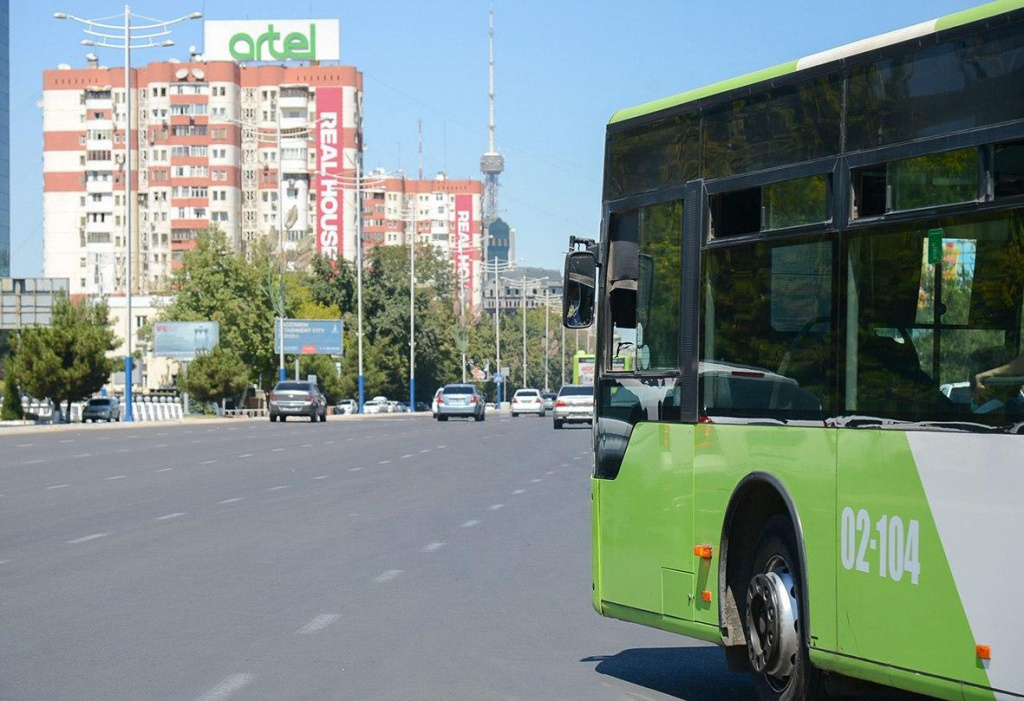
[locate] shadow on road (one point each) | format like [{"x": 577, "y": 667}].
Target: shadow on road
[{"x": 691, "y": 673}]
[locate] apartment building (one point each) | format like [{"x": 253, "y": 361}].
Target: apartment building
[{"x": 265, "y": 153}]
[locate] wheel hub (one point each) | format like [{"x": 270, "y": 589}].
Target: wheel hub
[{"x": 773, "y": 638}]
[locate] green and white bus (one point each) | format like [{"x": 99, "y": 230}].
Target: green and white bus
[{"x": 814, "y": 457}]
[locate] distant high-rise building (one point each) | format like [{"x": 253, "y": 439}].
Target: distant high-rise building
[
  {"x": 445, "y": 213},
  {"x": 265, "y": 153},
  {"x": 499, "y": 241},
  {"x": 5, "y": 139}
]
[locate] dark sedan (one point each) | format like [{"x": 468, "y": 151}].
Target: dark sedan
[{"x": 102, "y": 409}]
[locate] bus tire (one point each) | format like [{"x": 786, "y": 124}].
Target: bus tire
[{"x": 773, "y": 622}]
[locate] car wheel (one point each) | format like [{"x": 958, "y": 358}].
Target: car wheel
[
  {"x": 282, "y": 418},
  {"x": 514, "y": 414},
  {"x": 558, "y": 424},
  {"x": 479, "y": 417},
  {"x": 772, "y": 619},
  {"x": 273, "y": 419}
]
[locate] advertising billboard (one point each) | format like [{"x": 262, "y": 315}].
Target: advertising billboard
[
  {"x": 329, "y": 168},
  {"x": 467, "y": 251},
  {"x": 310, "y": 336},
  {"x": 184, "y": 340},
  {"x": 272, "y": 40},
  {"x": 29, "y": 301}
]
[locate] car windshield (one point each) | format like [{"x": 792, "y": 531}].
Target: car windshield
[
  {"x": 527, "y": 393},
  {"x": 576, "y": 391},
  {"x": 292, "y": 387},
  {"x": 458, "y": 389},
  {"x": 99, "y": 402}
]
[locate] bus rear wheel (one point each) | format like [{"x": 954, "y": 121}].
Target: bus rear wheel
[{"x": 773, "y": 625}]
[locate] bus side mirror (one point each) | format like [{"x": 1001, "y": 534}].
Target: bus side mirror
[{"x": 580, "y": 281}]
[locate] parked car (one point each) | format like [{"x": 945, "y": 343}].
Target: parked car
[
  {"x": 574, "y": 404},
  {"x": 297, "y": 398},
  {"x": 377, "y": 405},
  {"x": 397, "y": 408},
  {"x": 102, "y": 409},
  {"x": 460, "y": 400},
  {"x": 433, "y": 404},
  {"x": 422, "y": 406},
  {"x": 527, "y": 401},
  {"x": 346, "y": 406},
  {"x": 549, "y": 400}
]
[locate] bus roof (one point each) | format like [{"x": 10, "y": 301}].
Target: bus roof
[{"x": 858, "y": 47}]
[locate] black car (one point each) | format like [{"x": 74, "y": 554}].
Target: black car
[
  {"x": 102, "y": 409},
  {"x": 297, "y": 398}
]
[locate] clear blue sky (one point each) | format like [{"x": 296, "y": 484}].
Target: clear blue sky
[{"x": 563, "y": 67}]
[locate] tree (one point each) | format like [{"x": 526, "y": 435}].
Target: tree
[
  {"x": 68, "y": 360},
  {"x": 215, "y": 376},
  {"x": 326, "y": 375},
  {"x": 215, "y": 283},
  {"x": 11, "y": 409}
]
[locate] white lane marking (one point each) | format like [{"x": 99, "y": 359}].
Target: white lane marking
[
  {"x": 33, "y": 462},
  {"x": 161, "y": 434},
  {"x": 164, "y": 469},
  {"x": 4, "y": 562},
  {"x": 387, "y": 576},
  {"x": 87, "y": 538},
  {"x": 383, "y": 462},
  {"x": 168, "y": 517},
  {"x": 277, "y": 450},
  {"x": 349, "y": 439},
  {"x": 83, "y": 455},
  {"x": 160, "y": 445},
  {"x": 24, "y": 445},
  {"x": 132, "y": 435},
  {"x": 123, "y": 450},
  {"x": 59, "y": 486},
  {"x": 279, "y": 487},
  {"x": 207, "y": 462},
  {"x": 230, "y": 501},
  {"x": 306, "y": 445},
  {"x": 355, "y": 469},
  {"x": 564, "y": 464},
  {"x": 519, "y": 491},
  {"x": 433, "y": 547},
  {"x": 441, "y": 447},
  {"x": 321, "y": 477},
  {"x": 318, "y": 623},
  {"x": 550, "y": 472},
  {"x": 425, "y": 450},
  {"x": 115, "y": 477},
  {"x": 576, "y": 457},
  {"x": 328, "y": 442},
  {"x": 469, "y": 524},
  {"x": 535, "y": 481},
  {"x": 67, "y": 440},
  {"x": 245, "y": 455},
  {"x": 495, "y": 507},
  {"x": 407, "y": 456},
  {"x": 227, "y": 688}
]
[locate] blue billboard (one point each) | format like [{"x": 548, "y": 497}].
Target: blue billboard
[
  {"x": 184, "y": 340},
  {"x": 310, "y": 336}
]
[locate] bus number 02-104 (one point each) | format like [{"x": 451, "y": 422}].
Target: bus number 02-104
[{"x": 898, "y": 548}]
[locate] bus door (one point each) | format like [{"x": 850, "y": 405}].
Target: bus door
[{"x": 643, "y": 456}]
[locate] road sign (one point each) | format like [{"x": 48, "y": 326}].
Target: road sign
[
  {"x": 498, "y": 378},
  {"x": 184, "y": 340},
  {"x": 310, "y": 336}
]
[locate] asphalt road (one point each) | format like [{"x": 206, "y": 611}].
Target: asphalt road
[{"x": 396, "y": 558}]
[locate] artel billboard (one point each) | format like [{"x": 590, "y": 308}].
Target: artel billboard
[{"x": 272, "y": 40}]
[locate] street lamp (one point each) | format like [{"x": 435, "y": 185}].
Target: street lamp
[
  {"x": 522, "y": 285},
  {"x": 497, "y": 268},
  {"x": 125, "y": 36},
  {"x": 359, "y": 181},
  {"x": 268, "y": 135}
]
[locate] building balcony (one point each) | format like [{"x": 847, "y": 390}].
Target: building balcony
[
  {"x": 97, "y": 227},
  {"x": 104, "y": 206},
  {"x": 295, "y": 165},
  {"x": 98, "y": 186},
  {"x": 295, "y": 100},
  {"x": 105, "y": 124},
  {"x": 99, "y": 145}
]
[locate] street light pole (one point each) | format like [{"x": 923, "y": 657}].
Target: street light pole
[
  {"x": 359, "y": 276},
  {"x": 497, "y": 332},
  {"x": 412, "y": 310},
  {"x": 522, "y": 291},
  {"x": 547, "y": 318},
  {"x": 113, "y": 36}
]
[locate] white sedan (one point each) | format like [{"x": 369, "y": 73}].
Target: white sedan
[{"x": 527, "y": 401}]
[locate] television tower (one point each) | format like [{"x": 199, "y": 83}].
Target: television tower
[{"x": 492, "y": 163}]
